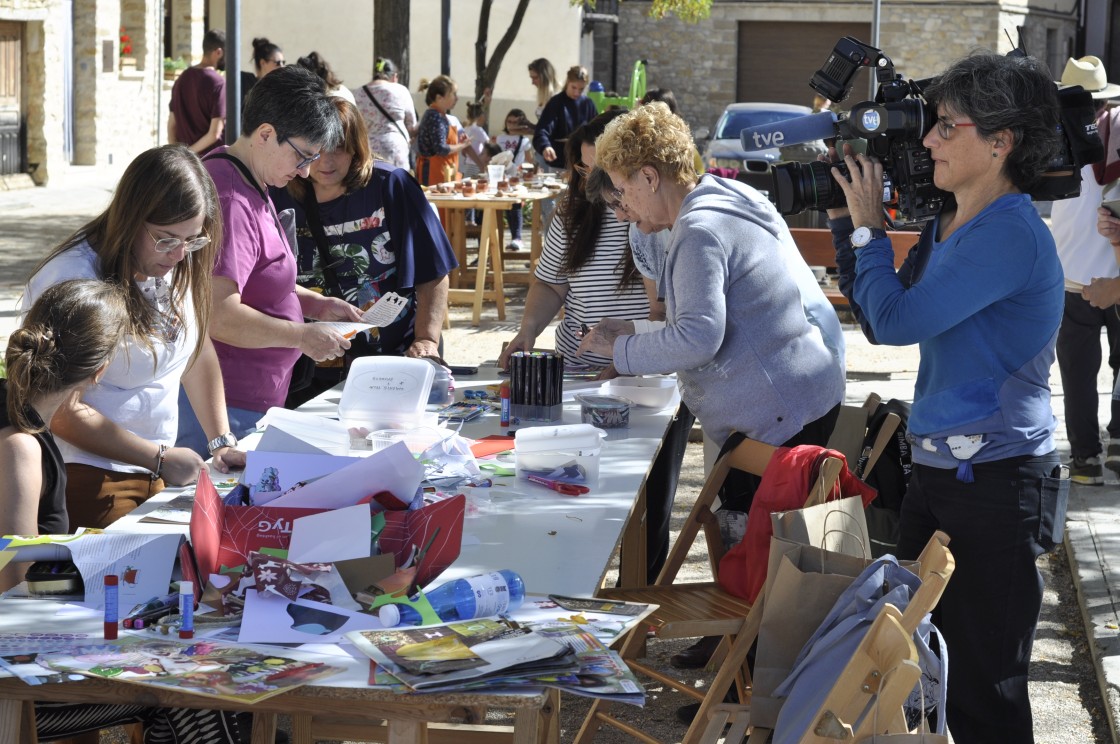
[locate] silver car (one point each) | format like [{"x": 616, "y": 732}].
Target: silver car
[{"x": 724, "y": 150}]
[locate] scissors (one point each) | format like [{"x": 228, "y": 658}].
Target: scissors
[{"x": 568, "y": 489}]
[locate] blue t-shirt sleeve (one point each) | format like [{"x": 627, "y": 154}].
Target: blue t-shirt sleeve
[
  {"x": 423, "y": 251},
  {"x": 432, "y": 138},
  {"x": 977, "y": 266}
]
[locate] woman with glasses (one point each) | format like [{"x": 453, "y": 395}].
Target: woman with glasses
[
  {"x": 982, "y": 295},
  {"x": 563, "y": 114},
  {"x": 157, "y": 240},
  {"x": 266, "y": 58},
  {"x": 258, "y": 310},
  {"x": 586, "y": 266},
  {"x": 364, "y": 231}
]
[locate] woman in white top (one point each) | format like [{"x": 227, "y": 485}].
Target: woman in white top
[
  {"x": 543, "y": 77},
  {"x": 586, "y": 267},
  {"x": 157, "y": 239},
  {"x": 521, "y": 147},
  {"x": 389, "y": 113}
]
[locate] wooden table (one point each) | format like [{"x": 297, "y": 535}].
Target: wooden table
[
  {"x": 489, "y": 241},
  {"x": 558, "y": 544}
]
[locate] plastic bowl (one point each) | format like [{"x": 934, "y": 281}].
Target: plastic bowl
[
  {"x": 417, "y": 440},
  {"x": 604, "y": 411},
  {"x": 649, "y": 392}
]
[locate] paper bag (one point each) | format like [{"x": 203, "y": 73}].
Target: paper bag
[
  {"x": 839, "y": 526},
  {"x": 802, "y": 585}
]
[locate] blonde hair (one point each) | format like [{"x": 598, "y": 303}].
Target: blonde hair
[
  {"x": 70, "y": 333},
  {"x": 649, "y": 135}
]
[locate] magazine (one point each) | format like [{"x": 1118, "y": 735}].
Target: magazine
[
  {"x": 448, "y": 656},
  {"x": 202, "y": 668}
]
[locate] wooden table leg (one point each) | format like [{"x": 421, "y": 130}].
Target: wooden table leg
[
  {"x": 496, "y": 259},
  {"x": 632, "y": 557},
  {"x": 264, "y": 729},
  {"x": 485, "y": 238},
  {"x": 11, "y": 720},
  {"x": 407, "y": 732},
  {"x": 301, "y": 729},
  {"x": 535, "y": 242},
  {"x": 456, "y": 229}
]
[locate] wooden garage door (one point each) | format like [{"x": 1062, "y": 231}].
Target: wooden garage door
[
  {"x": 777, "y": 58},
  {"x": 10, "y": 54}
]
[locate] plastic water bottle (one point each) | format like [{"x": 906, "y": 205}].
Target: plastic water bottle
[{"x": 484, "y": 595}]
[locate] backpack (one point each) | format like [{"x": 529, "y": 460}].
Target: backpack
[{"x": 890, "y": 477}]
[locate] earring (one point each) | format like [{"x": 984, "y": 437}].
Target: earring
[{"x": 995, "y": 154}]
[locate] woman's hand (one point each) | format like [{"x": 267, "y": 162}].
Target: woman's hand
[
  {"x": 608, "y": 373},
  {"x": 422, "y": 347},
  {"x": 548, "y": 154},
  {"x": 1102, "y": 293},
  {"x": 336, "y": 308},
  {"x": 1108, "y": 226},
  {"x": 600, "y": 339},
  {"x": 228, "y": 458},
  {"x": 520, "y": 342},
  {"x": 321, "y": 342},
  {"x": 180, "y": 466},
  {"x": 864, "y": 191}
]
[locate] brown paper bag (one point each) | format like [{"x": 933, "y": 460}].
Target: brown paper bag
[
  {"x": 802, "y": 585},
  {"x": 838, "y": 525}
]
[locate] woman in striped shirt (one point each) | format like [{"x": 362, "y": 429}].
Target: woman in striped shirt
[{"x": 586, "y": 266}]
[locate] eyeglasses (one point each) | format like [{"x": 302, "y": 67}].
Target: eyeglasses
[
  {"x": 305, "y": 159},
  {"x": 945, "y": 127},
  {"x": 167, "y": 245},
  {"x": 583, "y": 170}
]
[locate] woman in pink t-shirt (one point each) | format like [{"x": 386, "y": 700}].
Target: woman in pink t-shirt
[{"x": 257, "y": 320}]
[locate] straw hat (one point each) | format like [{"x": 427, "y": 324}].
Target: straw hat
[{"x": 1089, "y": 73}]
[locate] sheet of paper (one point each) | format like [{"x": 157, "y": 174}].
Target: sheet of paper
[
  {"x": 385, "y": 310},
  {"x": 326, "y": 435},
  {"x": 276, "y": 620},
  {"x": 291, "y": 467},
  {"x": 347, "y": 329},
  {"x": 393, "y": 469},
  {"x": 275, "y": 439},
  {"x": 337, "y": 535}
]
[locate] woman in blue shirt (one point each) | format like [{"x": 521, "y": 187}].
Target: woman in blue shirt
[{"x": 981, "y": 294}]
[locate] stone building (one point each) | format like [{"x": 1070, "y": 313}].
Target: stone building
[{"x": 766, "y": 50}]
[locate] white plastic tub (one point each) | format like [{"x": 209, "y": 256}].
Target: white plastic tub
[
  {"x": 649, "y": 392},
  {"x": 568, "y": 453}
]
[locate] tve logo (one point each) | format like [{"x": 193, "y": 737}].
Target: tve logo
[{"x": 773, "y": 139}]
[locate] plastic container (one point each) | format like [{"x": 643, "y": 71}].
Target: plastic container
[
  {"x": 649, "y": 392},
  {"x": 568, "y": 453},
  {"x": 604, "y": 411},
  {"x": 417, "y": 440},
  {"x": 485, "y": 595},
  {"x": 386, "y": 392}
]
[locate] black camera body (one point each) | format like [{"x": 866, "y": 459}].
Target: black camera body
[{"x": 893, "y": 126}]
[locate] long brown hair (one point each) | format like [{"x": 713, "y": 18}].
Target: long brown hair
[
  {"x": 162, "y": 186},
  {"x": 70, "y": 333},
  {"x": 581, "y": 217}
]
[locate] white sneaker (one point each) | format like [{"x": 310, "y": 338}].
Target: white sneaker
[{"x": 516, "y": 245}]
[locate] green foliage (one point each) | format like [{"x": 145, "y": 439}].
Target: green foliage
[
  {"x": 171, "y": 65},
  {"x": 689, "y": 11}
]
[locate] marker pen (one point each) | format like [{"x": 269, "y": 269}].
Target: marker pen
[
  {"x": 186, "y": 609},
  {"x": 110, "y": 607}
]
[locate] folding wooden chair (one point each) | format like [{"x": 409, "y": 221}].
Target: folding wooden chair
[
  {"x": 935, "y": 566},
  {"x": 689, "y": 610}
]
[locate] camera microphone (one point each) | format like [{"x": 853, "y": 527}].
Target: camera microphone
[{"x": 789, "y": 131}]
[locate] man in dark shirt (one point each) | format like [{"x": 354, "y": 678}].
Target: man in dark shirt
[{"x": 198, "y": 99}]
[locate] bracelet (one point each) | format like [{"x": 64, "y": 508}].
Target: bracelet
[{"x": 160, "y": 459}]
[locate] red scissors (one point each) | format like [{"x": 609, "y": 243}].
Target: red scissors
[{"x": 568, "y": 489}]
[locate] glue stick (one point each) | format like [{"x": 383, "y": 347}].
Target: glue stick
[
  {"x": 110, "y": 607},
  {"x": 186, "y": 609},
  {"x": 503, "y": 392}
]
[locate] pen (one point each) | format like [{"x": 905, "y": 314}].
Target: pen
[{"x": 568, "y": 489}]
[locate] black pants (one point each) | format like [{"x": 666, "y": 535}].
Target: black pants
[
  {"x": 998, "y": 526},
  {"x": 661, "y": 489},
  {"x": 739, "y": 487},
  {"x": 1079, "y": 361}
]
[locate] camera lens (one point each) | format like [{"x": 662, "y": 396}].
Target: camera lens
[{"x": 801, "y": 186}]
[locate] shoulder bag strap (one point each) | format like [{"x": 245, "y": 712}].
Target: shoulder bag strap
[
  {"x": 253, "y": 182},
  {"x": 315, "y": 224},
  {"x": 385, "y": 113}
]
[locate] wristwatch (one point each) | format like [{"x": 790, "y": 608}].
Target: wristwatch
[
  {"x": 863, "y": 235},
  {"x": 225, "y": 440}
]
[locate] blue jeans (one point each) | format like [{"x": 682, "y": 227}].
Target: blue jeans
[
  {"x": 191, "y": 435},
  {"x": 513, "y": 219},
  {"x": 998, "y": 525}
]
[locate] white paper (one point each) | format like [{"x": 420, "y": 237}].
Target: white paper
[
  {"x": 336, "y": 535},
  {"x": 346, "y": 329},
  {"x": 393, "y": 469},
  {"x": 307, "y": 433},
  {"x": 385, "y": 310},
  {"x": 291, "y": 467},
  {"x": 273, "y": 619}
]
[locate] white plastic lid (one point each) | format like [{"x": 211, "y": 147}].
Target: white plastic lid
[
  {"x": 390, "y": 615},
  {"x": 186, "y": 587},
  {"x": 557, "y": 438}
]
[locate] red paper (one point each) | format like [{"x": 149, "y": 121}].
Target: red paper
[{"x": 491, "y": 445}]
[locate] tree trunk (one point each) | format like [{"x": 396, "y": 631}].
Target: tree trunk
[
  {"x": 390, "y": 33},
  {"x": 486, "y": 71}
]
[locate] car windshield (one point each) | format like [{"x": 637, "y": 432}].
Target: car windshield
[{"x": 734, "y": 122}]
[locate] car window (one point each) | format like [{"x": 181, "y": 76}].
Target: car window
[{"x": 732, "y": 123}]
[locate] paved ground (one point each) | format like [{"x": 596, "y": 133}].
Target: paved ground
[{"x": 1076, "y": 656}]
